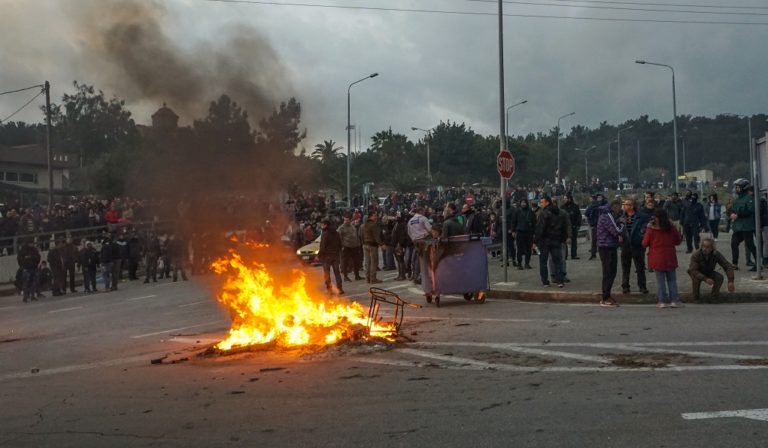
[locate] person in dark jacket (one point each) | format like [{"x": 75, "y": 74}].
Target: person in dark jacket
[
  {"x": 714, "y": 211},
  {"x": 119, "y": 249},
  {"x": 674, "y": 208},
  {"x": 28, "y": 259},
  {"x": 400, "y": 242},
  {"x": 593, "y": 214},
  {"x": 89, "y": 261},
  {"x": 609, "y": 238},
  {"x": 70, "y": 255},
  {"x": 522, "y": 226},
  {"x": 548, "y": 238},
  {"x": 151, "y": 256},
  {"x": 177, "y": 251},
  {"x": 105, "y": 257},
  {"x": 135, "y": 250},
  {"x": 632, "y": 249},
  {"x": 573, "y": 212},
  {"x": 451, "y": 226},
  {"x": 56, "y": 262},
  {"x": 330, "y": 255},
  {"x": 702, "y": 269},
  {"x": 693, "y": 220},
  {"x": 371, "y": 237},
  {"x": 350, "y": 244}
]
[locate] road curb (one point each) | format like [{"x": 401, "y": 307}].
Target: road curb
[{"x": 594, "y": 297}]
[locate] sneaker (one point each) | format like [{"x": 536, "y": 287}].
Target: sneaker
[
  {"x": 546, "y": 285},
  {"x": 735, "y": 267},
  {"x": 560, "y": 285},
  {"x": 750, "y": 263},
  {"x": 528, "y": 266},
  {"x": 662, "y": 305},
  {"x": 575, "y": 258},
  {"x": 609, "y": 303},
  {"x": 644, "y": 291},
  {"x": 591, "y": 257},
  {"x": 520, "y": 268},
  {"x": 567, "y": 280},
  {"x": 677, "y": 304},
  {"x": 625, "y": 290}
]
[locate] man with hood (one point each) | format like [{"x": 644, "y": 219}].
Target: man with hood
[
  {"x": 451, "y": 226},
  {"x": 548, "y": 238},
  {"x": 593, "y": 214},
  {"x": 693, "y": 220},
  {"x": 330, "y": 254},
  {"x": 743, "y": 222},
  {"x": 522, "y": 225},
  {"x": 674, "y": 208},
  {"x": 609, "y": 238},
  {"x": 574, "y": 215}
]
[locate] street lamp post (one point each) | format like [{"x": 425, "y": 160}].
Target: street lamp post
[
  {"x": 349, "y": 135},
  {"x": 428, "y": 138},
  {"x": 586, "y": 163},
  {"x": 618, "y": 154},
  {"x": 557, "y": 178},
  {"x": 506, "y": 132},
  {"x": 674, "y": 112}
]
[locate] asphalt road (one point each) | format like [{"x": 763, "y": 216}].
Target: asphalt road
[{"x": 76, "y": 372}]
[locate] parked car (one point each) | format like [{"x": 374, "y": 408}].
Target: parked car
[{"x": 308, "y": 254}]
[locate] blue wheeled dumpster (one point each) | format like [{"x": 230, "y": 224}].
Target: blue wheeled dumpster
[{"x": 455, "y": 266}]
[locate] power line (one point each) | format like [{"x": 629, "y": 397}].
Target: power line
[
  {"x": 21, "y": 90},
  {"x": 22, "y": 107},
  {"x": 626, "y": 8},
  {"x": 476, "y": 13},
  {"x": 670, "y": 5}
]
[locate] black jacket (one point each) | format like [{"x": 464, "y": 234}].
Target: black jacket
[
  {"x": 523, "y": 221},
  {"x": 549, "y": 228},
  {"x": 55, "y": 259},
  {"x": 574, "y": 214},
  {"x": 330, "y": 244},
  {"x": 89, "y": 258},
  {"x": 28, "y": 257}
]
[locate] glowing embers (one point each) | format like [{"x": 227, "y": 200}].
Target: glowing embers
[{"x": 269, "y": 303}]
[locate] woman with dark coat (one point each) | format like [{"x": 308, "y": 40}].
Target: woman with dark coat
[{"x": 661, "y": 237}]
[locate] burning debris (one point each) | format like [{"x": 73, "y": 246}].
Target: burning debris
[{"x": 272, "y": 307}]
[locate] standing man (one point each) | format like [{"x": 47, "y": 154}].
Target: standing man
[
  {"x": 350, "y": 243},
  {"x": 69, "y": 255},
  {"x": 593, "y": 214},
  {"x": 177, "y": 250},
  {"x": 743, "y": 223},
  {"x": 135, "y": 250},
  {"x": 694, "y": 220},
  {"x": 371, "y": 243},
  {"x": 574, "y": 215},
  {"x": 632, "y": 249},
  {"x": 548, "y": 238},
  {"x": 419, "y": 229},
  {"x": 674, "y": 208},
  {"x": 151, "y": 256},
  {"x": 330, "y": 254},
  {"x": 89, "y": 261},
  {"x": 609, "y": 238},
  {"x": 522, "y": 226},
  {"x": 105, "y": 256},
  {"x": 56, "y": 263},
  {"x": 28, "y": 259}
]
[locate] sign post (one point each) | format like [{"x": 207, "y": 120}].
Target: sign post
[{"x": 505, "y": 165}]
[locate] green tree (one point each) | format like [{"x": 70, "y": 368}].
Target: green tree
[
  {"x": 326, "y": 152},
  {"x": 279, "y": 132}
]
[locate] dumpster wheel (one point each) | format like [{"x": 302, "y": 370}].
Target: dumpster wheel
[
  {"x": 480, "y": 297},
  {"x": 468, "y": 296}
]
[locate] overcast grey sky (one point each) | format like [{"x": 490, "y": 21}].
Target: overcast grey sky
[{"x": 432, "y": 66}]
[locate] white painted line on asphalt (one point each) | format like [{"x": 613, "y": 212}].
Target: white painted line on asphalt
[
  {"x": 482, "y": 319},
  {"x": 415, "y": 290},
  {"x": 7, "y": 307},
  {"x": 193, "y": 303},
  {"x": 140, "y": 298},
  {"x": 682, "y": 352},
  {"x": 752, "y": 414},
  {"x": 527, "y": 350},
  {"x": 65, "y": 309},
  {"x": 79, "y": 367},
  {"x": 176, "y": 329},
  {"x": 451, "y": 359},
  {"x": 195, "y": 341},
  {"x": 611, "y": 344}
]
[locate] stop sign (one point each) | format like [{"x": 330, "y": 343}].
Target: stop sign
[{"x": 505, "y": 164}]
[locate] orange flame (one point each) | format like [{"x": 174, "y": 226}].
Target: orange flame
[{"x": 268, "y": 304}]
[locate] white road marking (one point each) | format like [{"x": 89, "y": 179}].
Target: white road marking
[
  {"x": 683, "y": 352},
  {"x": 195, "y": 341},
  {"x": 65, "y": 309},
  {"x": 177, "y": 329},
  {"x": 519, "y": 349},
  {"x": 7, "y": 307},
  {"x": 140, "y": 298},
  {"x": 752, "y": 414},
  {"x": 193, "y": 303},
  {"x": 413, "y": 290},
  {"x": 616, "y": 345},
  {"x": 481, "y": 319},
  {"x": 79, "y": 367}
]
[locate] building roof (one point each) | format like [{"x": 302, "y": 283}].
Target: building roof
[{"x": 36, "y": 154}]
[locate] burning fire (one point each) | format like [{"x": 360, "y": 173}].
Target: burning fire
[{"x": 270, "y": 303}]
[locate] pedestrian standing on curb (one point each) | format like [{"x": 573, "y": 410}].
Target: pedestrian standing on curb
[
  {"x": 350, "y": 243},
  {"x": 89, "y": 261},
  {"x": 548, "y": 238},
  {"x": 574, "y": 215},
  {"x": 593, "y": 214},
  {"x": 151, "y": 257},
  {"x": 609, "y": 237},
  {"x": 329, "y": 255},
  {"x": 632, "y": 250},
  {"x": 371, "y": 243},
  {"x": 713, "y": 210},
  {"x": 674, "y": 208},
  {"x": 56, "y": 262},
  {"x": 662, "y": 238},
  {"x": 522, "y": 226},
  {"x": 401, "y": 241},
  {"x": 694, "y": 221},
  {"x": 29, "y": 259},
  {"x": 69, "y": 256},
  {"x": 743, "y": 223}
]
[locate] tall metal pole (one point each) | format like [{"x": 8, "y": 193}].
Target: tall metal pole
[
  {"x": 638, "y": 160},
  {"x": 48, "y": 143},
  {"x": 559, "y": 174},
  {"x": 674, "y": 124},
  {"x": 502, "y": 142},
  {"x": 429, "y": 165},
  {"x": 349, "y": 144},
  {"x": 756, "y": 185},
  {"x": 685, "y": 170},
  {"x": 609, "y": 153},
  {"x": 618, "y": 161}
]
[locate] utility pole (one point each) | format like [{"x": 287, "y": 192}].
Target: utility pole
[
  {"x": 638, "y": 160},
  {"x": 47, "y": 88},
  {"x": 502, "y": 142}
]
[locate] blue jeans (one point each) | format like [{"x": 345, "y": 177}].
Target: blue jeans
[
  {"x": 556, "y": 252},
  {"x": 666, "y": 286}
]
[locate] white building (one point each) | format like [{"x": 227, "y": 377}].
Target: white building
[{"x": 27, "y": 166}]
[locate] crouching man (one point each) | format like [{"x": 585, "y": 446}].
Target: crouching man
[{"x": 702, "y": 269}]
